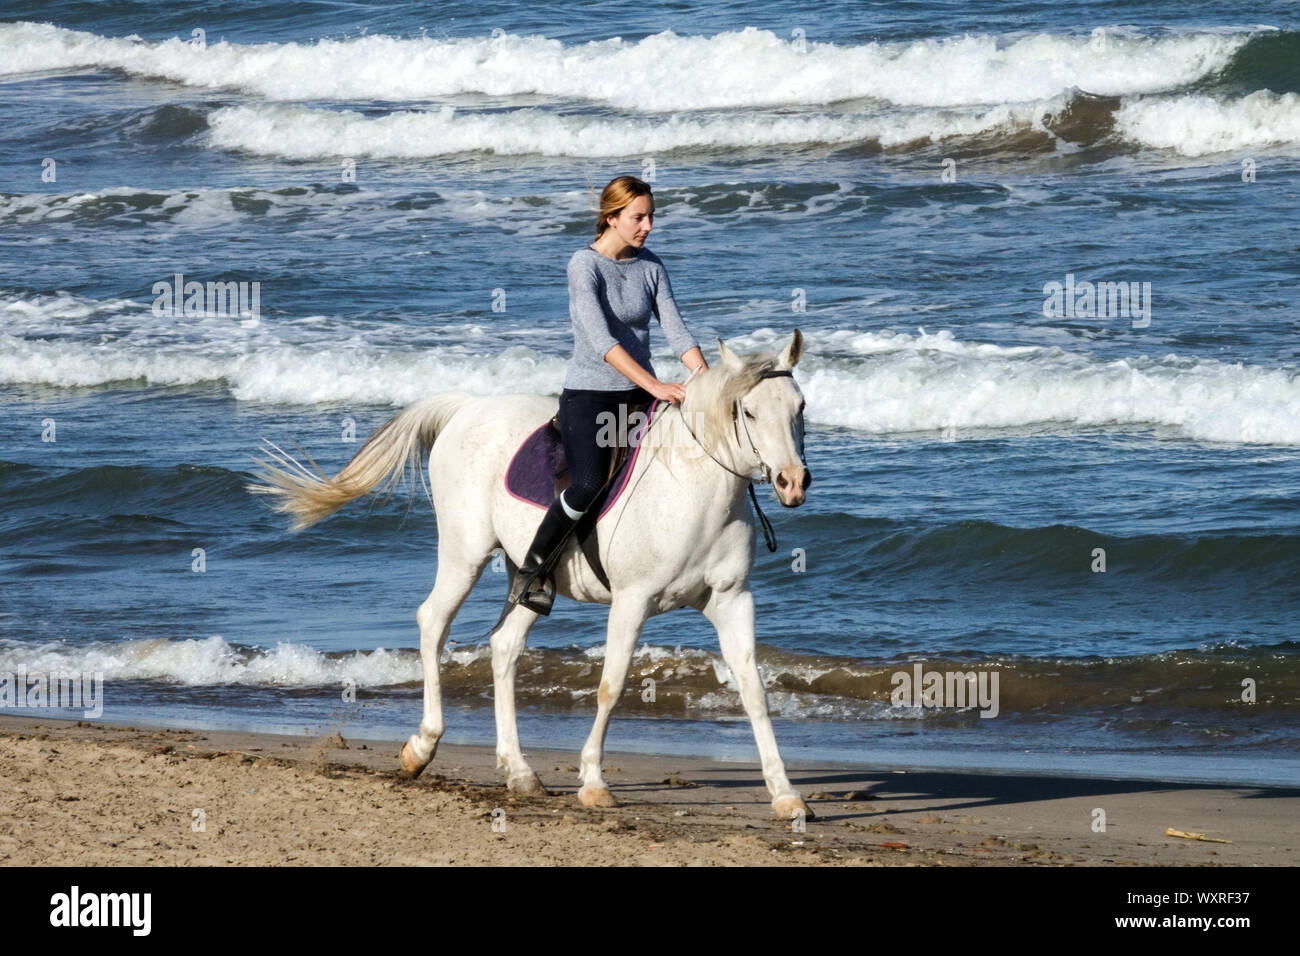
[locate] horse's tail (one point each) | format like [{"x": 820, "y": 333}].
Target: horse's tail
[{"x": 399, "y": 443}]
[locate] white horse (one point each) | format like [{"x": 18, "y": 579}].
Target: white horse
[{"x": 682, "y": 534}]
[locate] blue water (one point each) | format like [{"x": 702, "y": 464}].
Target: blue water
[{"x": 900, "y": 182}]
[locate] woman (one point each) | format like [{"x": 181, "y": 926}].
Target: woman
[{"x": 615, "y": 286}]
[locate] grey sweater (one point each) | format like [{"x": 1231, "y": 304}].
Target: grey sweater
[{"x": 610, "y": 304}]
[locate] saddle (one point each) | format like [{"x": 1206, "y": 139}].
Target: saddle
[{"x": 538, "y": 472}]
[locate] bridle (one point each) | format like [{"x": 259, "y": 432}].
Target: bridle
[
  {"x": 769, "y": 536},
  {"x": 736, "y": 417}
]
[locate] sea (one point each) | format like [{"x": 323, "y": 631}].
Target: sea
[{"x": 1043, "y": 256}]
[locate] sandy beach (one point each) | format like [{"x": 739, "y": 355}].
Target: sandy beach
[{"x": 97, "y": 795}]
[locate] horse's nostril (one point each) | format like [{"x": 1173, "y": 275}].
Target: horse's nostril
[
  {"x": 807, "y": 479},
  {"x": 781, "y": 482}
]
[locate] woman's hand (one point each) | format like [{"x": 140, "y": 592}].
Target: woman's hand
[
  {"x": 664, "y": 391},
  {"x": 668, "y": 392}
]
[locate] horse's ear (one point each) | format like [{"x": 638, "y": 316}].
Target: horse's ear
[
  {"x": 790, "y": 356},
  {"x": 730, "y": 358}
]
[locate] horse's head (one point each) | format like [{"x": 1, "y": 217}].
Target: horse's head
[{"x": 766, "y": 418}]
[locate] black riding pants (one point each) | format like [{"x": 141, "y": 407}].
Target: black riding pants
[{"x": 585, "y": 415}]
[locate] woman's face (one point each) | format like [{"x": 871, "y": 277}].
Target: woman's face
[{"x": 634, "y": 221}]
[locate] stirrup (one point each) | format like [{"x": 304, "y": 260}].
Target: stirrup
[
  {"x": 538, "y": 599},
  {"x": 536, "y": 594}
]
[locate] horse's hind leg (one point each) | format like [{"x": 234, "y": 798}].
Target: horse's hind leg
[{"x": 456, "y": 578}]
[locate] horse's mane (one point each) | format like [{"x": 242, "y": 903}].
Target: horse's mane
[{"x": 710, "y": 397}]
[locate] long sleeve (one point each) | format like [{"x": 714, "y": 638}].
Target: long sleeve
[
  {"x": 585, "y": 309},
  {"x": 670, "y": 320},
  {"x": 613, "y": 303}
]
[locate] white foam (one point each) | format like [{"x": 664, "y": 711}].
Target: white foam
[
  {"x": 292, "y": 132},
  {"x": 932, "y": 382},
  {"x": 1197, "y": 125},
  {"x": 1191, "y": 125},
  {"x": 876, "y": 382},
  {"x": 213, "y": 661},
  {"x": 71, "y": 341},
  {"x": 286, "y": 374},
  {"x": 790, "y": 705},
  {"x": 660, "y": 73}
]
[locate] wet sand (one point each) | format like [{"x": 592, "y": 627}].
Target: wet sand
[{"x": 86, "y": 794}]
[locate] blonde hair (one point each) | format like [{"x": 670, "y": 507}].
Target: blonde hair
[{"x": 619, "y": 193}]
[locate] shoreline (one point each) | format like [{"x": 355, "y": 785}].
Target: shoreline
[
  {"x": 702, "y": 741},
  {"x": 98, "y": 794}
]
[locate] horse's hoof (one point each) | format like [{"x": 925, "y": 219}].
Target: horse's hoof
[
  {"x": 596, "y": 797},
  {"x": 411, "y": 766},
  {"x": 527, "y": 785},
  {"x": 791, "y": 806}
]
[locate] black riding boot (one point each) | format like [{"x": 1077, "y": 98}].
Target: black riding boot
[{"x": 533, "y": 586}]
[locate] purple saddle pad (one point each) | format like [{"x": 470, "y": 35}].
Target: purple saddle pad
[{"x": 538, "y": 471}]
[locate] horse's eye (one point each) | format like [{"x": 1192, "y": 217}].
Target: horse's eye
[{"x": 749, "y": 415}]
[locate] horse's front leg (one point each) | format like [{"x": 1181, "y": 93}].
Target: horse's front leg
[
  {"x": 732, "y": 613},
  {"x": 626, "y": 617},
  {"x": 507, "y": 644}
]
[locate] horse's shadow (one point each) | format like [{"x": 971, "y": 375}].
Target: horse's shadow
[{"x": 920, "y": 791}]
